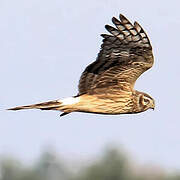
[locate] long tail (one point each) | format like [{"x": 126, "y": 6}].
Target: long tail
[
  {"x": 64, "y": 105},
  {"x": 50, "y": 105}
]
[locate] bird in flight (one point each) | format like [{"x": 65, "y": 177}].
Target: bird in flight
[{"x": 107, "y": 85}]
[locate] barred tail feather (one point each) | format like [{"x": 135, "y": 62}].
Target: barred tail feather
[
  {"x": 50, "y": 105},
  {"x": 65, "y": 105}
]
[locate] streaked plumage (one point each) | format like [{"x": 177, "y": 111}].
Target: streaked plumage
[{"x": 107, "y": 85}]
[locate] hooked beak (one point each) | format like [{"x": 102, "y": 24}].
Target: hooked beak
[{"x": 153, "y": 106}]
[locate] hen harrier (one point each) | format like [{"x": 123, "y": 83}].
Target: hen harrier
[{"x": 107, "y": 85}]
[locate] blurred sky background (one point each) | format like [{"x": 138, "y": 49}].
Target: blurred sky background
[{"x": 44, "y": 47}]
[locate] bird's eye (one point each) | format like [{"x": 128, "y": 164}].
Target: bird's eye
[{"x": 145, "y": 101}]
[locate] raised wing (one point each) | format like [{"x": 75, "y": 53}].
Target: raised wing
[{"x": 124, "y": 56}]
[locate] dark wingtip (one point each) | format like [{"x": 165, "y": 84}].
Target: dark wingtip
[
  {"x": 115, "y": 20},
  {"x": 109, "y": 28},
  {"x": 103, "y": 35},
  {"x": 123, "y": 18}
]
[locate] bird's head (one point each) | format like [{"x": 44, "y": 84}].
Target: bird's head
[{"x": 146, "y": 102}]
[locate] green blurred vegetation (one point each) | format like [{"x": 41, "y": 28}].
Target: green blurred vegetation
[{"x": 111, "y": 165}]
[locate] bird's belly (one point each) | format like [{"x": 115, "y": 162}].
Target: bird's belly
[{"x": 105, "y": 105}]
